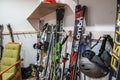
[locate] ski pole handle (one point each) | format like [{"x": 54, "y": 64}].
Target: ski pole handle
[
  {"x": 83, "y": 10},
  {"x": 11, "y": 33},
  {"x": 45, "y": 26},
  {"x": 64, "y": 40}
]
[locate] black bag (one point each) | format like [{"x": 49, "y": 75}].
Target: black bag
[{"x": 29, "y": 71}]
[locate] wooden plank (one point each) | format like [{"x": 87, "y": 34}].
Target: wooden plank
[{"x": 44, "y": 9}]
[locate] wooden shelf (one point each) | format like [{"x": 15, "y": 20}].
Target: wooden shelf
[{"x": 42, "y": 10}]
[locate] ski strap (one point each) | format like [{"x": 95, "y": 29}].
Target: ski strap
[
  {"x": 106, "y": 38},
  {"x": 45, "y": 26}
]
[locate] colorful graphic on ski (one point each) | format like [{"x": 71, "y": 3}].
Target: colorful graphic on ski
[
  {"x": 78, "y": 28},
  {"x": 116, "y": 48}
]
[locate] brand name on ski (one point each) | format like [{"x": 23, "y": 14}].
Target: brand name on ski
[
  {"x": 78, "y": 33},
  {"x": 116, "y": 49},
  {"x": 79, "y": 28}
]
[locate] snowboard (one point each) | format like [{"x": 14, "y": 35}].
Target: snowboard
[
  {"x": 41, "y": 47},
  {"x": 48, "y": 53}
]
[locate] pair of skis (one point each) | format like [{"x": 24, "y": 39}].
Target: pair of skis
[
  {"x": 57, "y": 69},
  {"x": 56, "y": 55},
  {"x": 78, "y": 31}
]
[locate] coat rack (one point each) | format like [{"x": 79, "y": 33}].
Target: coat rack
[{"x": 20, "y": 32}]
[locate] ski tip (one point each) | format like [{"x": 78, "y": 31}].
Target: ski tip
[
  {"x": 60, "y": 9},
  {"x": 84, "y": 7},
  {"x": 78, "y": 6}
]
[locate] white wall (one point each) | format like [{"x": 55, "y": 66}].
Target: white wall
[
  {"x": 16, "y": 12},
  {"x": 100, "y": 12}
]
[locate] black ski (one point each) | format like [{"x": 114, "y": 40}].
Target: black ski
[{"x": 57, "y": 44}]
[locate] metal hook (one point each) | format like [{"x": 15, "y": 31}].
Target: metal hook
[
  {"x": 30, "y": 34},
  {"x": 17, "y": 36},
  {"x": 24, "y": 34}
]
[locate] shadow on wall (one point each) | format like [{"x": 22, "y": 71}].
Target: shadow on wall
[
  {"x": 99, "y": 12},
  {"x": 69, "y": 17}
]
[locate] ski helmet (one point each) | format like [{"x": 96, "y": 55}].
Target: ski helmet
[
  {"x": 96, "y": 66},
  {"x": 91, "y": 69}
]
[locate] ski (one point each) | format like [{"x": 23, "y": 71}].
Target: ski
[
  {"x": 56, "y": 70},
  {"x": 118, "y": 72},
  {"x": 1, "y": 41},
  {"x": 52, "y": 57},
  {"x": 78, "y": 28},
  {"x": 50, "y": 38},
  {"x": 114, "y": 72},
  {"x": 11, "y": 33}
]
